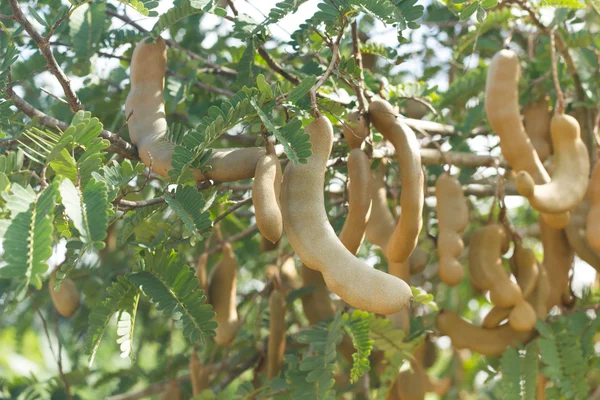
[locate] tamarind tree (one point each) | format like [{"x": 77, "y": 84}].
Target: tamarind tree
[{"x": 371, "y": 199}]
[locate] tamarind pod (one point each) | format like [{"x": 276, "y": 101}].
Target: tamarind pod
[
  {"x": 438, "y": 386},
  {"x": 540, "y": 295},
  {"x": 317, "y": 305},
  {"x": 266, "y": 245},
  {"x": 315, "y": 242},
  {"x": 359, "y": 201},
  {"x": 230, "y": 165},
  {"x": 410, "y": 384},
  {"x": 571, "y": 170},
  {"x": 522, "y": 317},
  {"x": 408, "y": 152},
  {"x": 450, "y": 245},
  {"x": 502, "y": 109},
  {"x": 289, "y": 275},
  {"x": 418, "y": 261},
  {"x": 527, "y": 269},
  {"x": 558, "y": 259},
  {"x": 576, "y": 235},
  {"x": 173, "y": 392},
  {"x": 67, "y": 299},
  {"x": 593, "y": 218},
  {"x": 277, "y": 330},
  {"x": 541, "y": 386},
  {"x": 415, "y": 109},
  {"x": 495, "y": 316},
  {"x": 198, "y": 375},
  {"x": 381, "y": 223},
  {"x": 429, "y": 353},
  {"x": 451, "y": 207},
  {"x": 221, "y": 292},
  {"x": 536, "y": 118},
  {"x": 265, "y": 197},
  {"x": 478, "y": 278},
  {"x": 201, "y": 271},
  {"x": 356, "y": 129},
  {"x": 486, "y": 341}
]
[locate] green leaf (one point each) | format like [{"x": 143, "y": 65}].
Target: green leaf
[
  {"x": 173, "y": 288},
  {"x": 570, "y": 4},
  {"x": 86, "y": 27},
  {"x": 173, "y": 16},
  {"x": 487, "y": 4},
  {"x": 302, "y": 89},
  {"x": 263, "y": 87},
  {"x": 357, "y": 327},
  {"x": 469, "y": 10},
  {"x": 188, "y": 203},
  {"x": 135, "y": 219},
  {"x": 37, "y": 17}
]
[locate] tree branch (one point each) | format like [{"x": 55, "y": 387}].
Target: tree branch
[{"x": 46, "y": 50}]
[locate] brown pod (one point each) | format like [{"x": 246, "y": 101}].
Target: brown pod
[
  {"x": 265, "y": 197},
  {"x": 221, "y": 292},
  {"x": 453, "y": 217},
  {"x": 67, "y": 299},
  {"x": 266, "y": 245},
  {"x": 359, "y": 201},
  {"x": 558, "y": 260},
  {"x": 317, "y": 305},
  {"x": 355, "y": 130},
  {"x": 201, "y": 263},
  {"x": 289, "y": 275},
  {"x": 502, "y": 109},
  {"x": 277, "y": 331},
  {"x": 495, "y": 317},
  {"x": 381, "y": 223},
  {"x": 173, "y": 392},
  {"x": 489, "y": 342},
  {"x": 576, "y": 235},
  {"x": 593, "y": 218},
  {"x": 198, "y": 375},
  {"x": 408, "y": 153},
  {"x": 527, "y": 269},
  {"x": 536, "y": 118},
  {"x": 418, "y": 261}
]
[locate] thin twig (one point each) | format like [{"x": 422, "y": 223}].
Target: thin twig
[
  {"x": 237, "y": 205},
  {"x": 560, "y": 98},
  {"x": 360, "y": 88},
  {"x": 46, "y": 50},
  {"x": 59, "y": 360}
]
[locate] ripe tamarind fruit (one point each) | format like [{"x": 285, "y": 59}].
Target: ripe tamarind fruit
[
  {"x": 266, "y": 245},
  {"x": 558, "y": 259},
  {"x": 201, "y": 271},
  {"x": 381, "y": 222},
  {"x": 277, "y": 330},
  {"x": 408, "y": 152},
  {"x": 313, "y": 239},
  {"x": 173, "y": 392},
  {"x": 289, "y": 275},
  {"x": 453, "y": 217},
  {"x": 486, "y": 341},
  {"x": 356, "y": 129},
  {"x": 487, "y": 245},
  {"x": 576, "y": 235},
  {"x": 593, "y": 218},
  {"x": 495, "y": 316},
  {"x": 571, "y": 170},
  {"x": 198, "y": 374},
  {"x": 67, "y": 299},
  {"x": 418, "y": 261},
  {"x": 265, "y": 197},
  {"x": 410, "y": 384},
  {"x": 359, "y": 201},
  {"x": 502, "y": 109},
  {"x": 536, "y": 119},
  {"x": 526, "y": 269},
  {"x": 146, "y": 119},
  {"x": 221, "y": 293}
]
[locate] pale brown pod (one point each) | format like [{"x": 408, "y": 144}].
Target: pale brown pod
[
  {"x": 558, "y": 260},
  {"x": 418, "y": 261},
  {"x": 265, "y": 197},
  {"x": 453, "y": 219},
  {"x": 67, "y": 299},
  {"x": 289, "y": 275},
  {"x": 201, "y": 264},
  {"x": 576, "y": 235},
  {"x": 356, "y": 129},
  {"x": 408, "y": 153},
  {"x": 536, "y": 119},
  {"x": 277, "y": 330},
  {"x": 381, "y": 223},
  {"x": 502, "y": 109},
  {"x": 222, "y": 294},
  {"x": 593, "y": 218},
  {"x": 359, "y": 201},
  {"x": 266, "y": 245},
  {"x": 173, "y": 392},
  {"x": 317, "y": 305},
  {"x": 198, "y": 375}
]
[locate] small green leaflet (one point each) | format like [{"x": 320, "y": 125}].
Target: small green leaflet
[{"x": 303, "y": 88}]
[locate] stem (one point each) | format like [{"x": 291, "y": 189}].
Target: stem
[
  {"x": 360, "y": 88},
  {"x": 560, "y": 98}
]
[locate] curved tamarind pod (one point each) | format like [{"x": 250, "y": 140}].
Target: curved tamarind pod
[
  {"x": 576, "y": 235},
  {"x": 315, "y": 242},
  {"x": 381, "y": 222},
  {"x": 502, "y": 109},
  {"x": 201, "y": 271},
  {"x": 230, "y": 165},
  {"x": 453, "y": 217},
  {"x": 418, "y": 261},
  {"x": 410, "y": 384},
  {"x": 67, "y": 299},
  {"x": 593, "y": 218},
  {"x": 527, "y": 269},
  {"x": 289, "y": 275},
  {"x": 173, "y": 392},
  {"x": 558, "y": 259},
  {"x": 536, "y": 118},
  {"x": 571, "y": 170},
  {"x": 408, "y": 152},
  {"x": 277, "y": 330},
  {"x": 359, "y": 201},
  {"x": 539, "y": 298},
  {"x": 356, "y": 129},
  {"x": 486, "y": 248},
  {"x": 489, "y": 342},
  {"x": 265, "y": 197},
  {"x": 198, "y": 375},
  {"x": 522, "y": 317},
  {"x": 221, "y": 292},
  {"x": 478, "y": 279},
  {"x": 495, "y": 316},
  {"x": 317, "y": 305}
]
